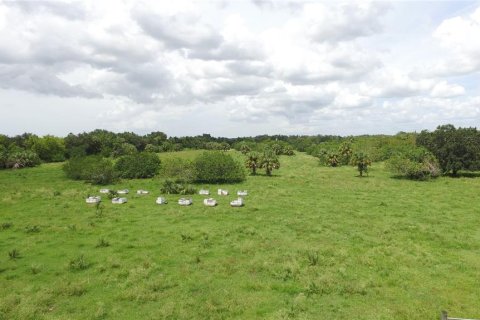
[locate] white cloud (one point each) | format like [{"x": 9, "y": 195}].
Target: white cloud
[
  {"x": 460, "y": 37},
  {"x": 305, "y": 66},
  {"x": 446, "y": 90}
]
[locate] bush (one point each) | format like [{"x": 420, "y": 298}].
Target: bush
[
  {"x": 178, "y": 169},
  {"x": 22, "y": 159},
  {"x": 172, "y": 187},
  {"x": 139, "y": 165},
  {"x": 417, "y": 164},
  {"x": 93, "y": 169},
  {"x": 218, "y": 167}
]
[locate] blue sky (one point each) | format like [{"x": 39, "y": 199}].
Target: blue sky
[{"x": 236, "y": 68}]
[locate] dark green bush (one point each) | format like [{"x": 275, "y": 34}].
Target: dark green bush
[
  {"x": 178, "y": 169},
  {"x": 218, "y": 167},
  {"x": 93, "y": 169},
  {"x": 138, "y": 165}
]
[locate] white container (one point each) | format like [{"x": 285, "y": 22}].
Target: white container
[
  {"x": 242, "y": 192},
  {"x": 124, "y": 191},
  {"x": 142, "y": 192},
  {"x": 161, "y": 200},
  {"x": 184, "y": 202},
  {"x": 104, "y": 190},
  {"x": 210, "y": 202},
  {"x": 93, "y": 199},
  {"x": 222, "y": 192},
  {"x": 204, "y": 192},
  {"x": 237, "y": 203},
  {"x": 119, "y": 200}
]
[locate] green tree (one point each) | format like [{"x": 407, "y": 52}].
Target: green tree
[
  {"x": 48, "y": 148},
  {"x": 455, "y": 149},
  {"x": 362, "y": 162}
]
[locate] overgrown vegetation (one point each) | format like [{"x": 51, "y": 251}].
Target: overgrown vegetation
[
  {"x": 93, "y": 169},
  {"x": 175, "y": 187},
  {"x": 218, "y": 167},
  {"x": 416, "y": 163},
  {"x": 138, "y": 165}
]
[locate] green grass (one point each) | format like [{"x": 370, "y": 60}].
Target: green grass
[{"x": 312, "y": 242}]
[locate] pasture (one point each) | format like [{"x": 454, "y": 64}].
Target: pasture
[{"x": 311, "y": 242}]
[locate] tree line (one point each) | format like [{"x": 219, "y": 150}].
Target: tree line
[{"x": 446, "y": 150}]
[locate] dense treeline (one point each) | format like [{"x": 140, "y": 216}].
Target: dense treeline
[
  {"x": 446, "y": 150},
  {"x": 29, "y": 149}
]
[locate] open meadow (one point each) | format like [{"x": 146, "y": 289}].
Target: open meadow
[{"x": 311, "y": 242}]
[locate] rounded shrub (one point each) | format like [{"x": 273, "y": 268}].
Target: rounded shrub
[
  {"x": 138, "y": 165},
  {"x": 178, "y": 170},
  {"x": 94, "y": 169},
  {"x": 218, "y": 167}
]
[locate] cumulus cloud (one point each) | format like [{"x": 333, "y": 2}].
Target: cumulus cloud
[
  {"x": 301, "y": 65},
  {"x": 342, "y": 21},
  {"x": 459, "y": 36},
  {"x": 446, "y": 90}
]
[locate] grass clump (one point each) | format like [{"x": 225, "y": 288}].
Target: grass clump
[
  {"x": 6, "y": 225},
  {"x": 102, "y": 243},
  {"x": 14, "y": 254},
  {"x": 32, "y": 229},
  {"x": 78, "y": 263}
]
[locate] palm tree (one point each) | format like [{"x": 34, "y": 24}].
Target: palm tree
[
  {"x": 269, "y": 161},
  {"x": 253, "y": 162},
  {"x": 244, "y": 148},
  {"x": 332, "y": 159}
]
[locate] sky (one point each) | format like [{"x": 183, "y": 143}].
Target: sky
[{"x": 239, "y": 67}]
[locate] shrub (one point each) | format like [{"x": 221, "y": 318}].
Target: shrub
[
  {"x": 417, "y": 164},
  {"x": 218, "y": 167},
  {"x": 139, "y": 165},
  {"x": 22, "y": 159},
  {"x": 151, "y": 148},
  {"x": 93, "y": 169},
  {"x": 172, "y": 187},
  {"x": 123, "y": 149},
  {"x": 178, "y": 169}
]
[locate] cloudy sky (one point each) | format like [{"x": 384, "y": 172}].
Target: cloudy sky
[{"x": 238, "y": 68}]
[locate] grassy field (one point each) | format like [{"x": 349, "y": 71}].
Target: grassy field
[{"x": 311, "y": 242}]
